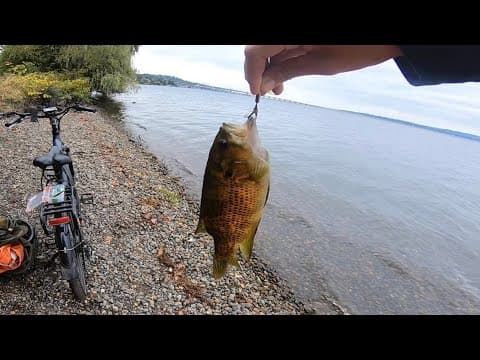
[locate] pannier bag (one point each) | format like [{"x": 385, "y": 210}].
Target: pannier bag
[{"x": 18, "y": 246}]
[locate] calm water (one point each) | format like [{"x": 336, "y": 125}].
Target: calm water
[{"x": 381, "y": 217}]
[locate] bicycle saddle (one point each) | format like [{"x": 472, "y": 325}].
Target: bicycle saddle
[{"x": 51, "y": 160}]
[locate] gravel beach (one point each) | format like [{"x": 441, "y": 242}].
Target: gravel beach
[{"x": 146, "y": 259}]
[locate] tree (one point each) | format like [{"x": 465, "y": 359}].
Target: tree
[
  {"x": 42, "y": 58},
  {"x": 107, "y": 67}
]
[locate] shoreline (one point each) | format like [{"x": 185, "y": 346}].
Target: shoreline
[{"x": 145, "y": 259}]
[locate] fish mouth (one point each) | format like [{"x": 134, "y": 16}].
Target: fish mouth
[
  {"x": 251, "y": 122},
  {"x": 234, "y": 129}
]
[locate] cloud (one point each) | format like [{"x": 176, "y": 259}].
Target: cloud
[
  {"x": 212, "y": 65},
  {"x": 379, "y": 90}
]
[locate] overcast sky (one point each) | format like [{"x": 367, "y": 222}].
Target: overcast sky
[{"x": 380, "y": 90}]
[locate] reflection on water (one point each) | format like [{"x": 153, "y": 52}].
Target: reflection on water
[{"x": 111, "y": 107}]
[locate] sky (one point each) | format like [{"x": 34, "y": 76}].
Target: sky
[{"x": 379, "y": 90}]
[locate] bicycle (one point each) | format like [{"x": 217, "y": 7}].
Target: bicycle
[{"x": 64, "y": 217}]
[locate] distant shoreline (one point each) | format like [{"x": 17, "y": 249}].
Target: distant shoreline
[
  {"x": 431, "y": 128},
  {"x": 166, "y": 80}
]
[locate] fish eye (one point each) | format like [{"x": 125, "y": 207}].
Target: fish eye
[{"x": 223, "y": 143}]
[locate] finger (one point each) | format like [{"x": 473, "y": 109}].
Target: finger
[
  {"x": 288, "y": 54},
  {"x": 255, "y": 62},
  {"x": 277, "y": 90},
  {"x": 265, "y": 51},
  {"x": 291, "y": 68}
]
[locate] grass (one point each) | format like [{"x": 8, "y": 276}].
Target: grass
[{"x": 171, "y": 196}]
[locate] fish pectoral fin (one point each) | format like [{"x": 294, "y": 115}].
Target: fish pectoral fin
[
  {"x": 219, "y": 266},
  {"x": 246, "y": 246},
  {"x": 258, "y": 169},
  {"x": 201, "y": 227}
]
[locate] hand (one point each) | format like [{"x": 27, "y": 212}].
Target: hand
[{"x": 290, "y": 61}]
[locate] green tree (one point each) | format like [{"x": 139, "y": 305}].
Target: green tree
[
  {"x": 42, "y": 57},
  {"x": 107, "y": 67}
]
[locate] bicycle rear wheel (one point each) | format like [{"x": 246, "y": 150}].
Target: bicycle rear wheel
[
  {"x": 79, "y": 284},
  {"x": 73, "y": 261}
]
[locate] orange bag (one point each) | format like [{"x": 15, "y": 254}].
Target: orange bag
[{"x": 11, "y": 257}]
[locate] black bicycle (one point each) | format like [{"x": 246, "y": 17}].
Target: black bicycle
[{"x": 62, "y": 217}]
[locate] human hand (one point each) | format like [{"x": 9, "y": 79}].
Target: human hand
[{"x": 290, "y": 61}]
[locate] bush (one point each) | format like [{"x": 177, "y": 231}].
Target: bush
[
  {"x": 108, "y": 68},
  {"x": 50, "y": 88},
  {"x": 10, "y": 96}
]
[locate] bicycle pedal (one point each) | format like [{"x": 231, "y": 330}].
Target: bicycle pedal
[{"x": 86, "y": 198}]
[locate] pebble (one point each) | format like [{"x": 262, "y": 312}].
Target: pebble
[{"x": 124, "y": 271}]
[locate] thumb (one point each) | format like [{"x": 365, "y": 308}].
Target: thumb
[{"x": 278, "y": 73}]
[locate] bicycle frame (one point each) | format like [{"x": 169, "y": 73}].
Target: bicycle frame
[
  {"x": 63, "y": 174},
  {"x": 64, "y": 216}
]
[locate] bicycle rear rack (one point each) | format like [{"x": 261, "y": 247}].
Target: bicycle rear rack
[
  {"x": 50, "y": 210},
  {"x": 49, "y": 175}
]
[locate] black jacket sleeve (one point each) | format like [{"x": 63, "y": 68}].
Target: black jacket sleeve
[{"x": 438, "y": 64}]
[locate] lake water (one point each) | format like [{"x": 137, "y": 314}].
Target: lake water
[{"x": 381, "y": 217}]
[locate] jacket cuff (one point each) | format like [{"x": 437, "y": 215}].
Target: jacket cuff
[{"x": 432, "y": 64}]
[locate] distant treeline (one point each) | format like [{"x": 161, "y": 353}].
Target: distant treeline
[
  {"x": 150, "y": 79},
  {"x": 167, "y": 80}
]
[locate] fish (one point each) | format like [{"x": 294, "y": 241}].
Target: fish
[{"x": 236, "y": 186}]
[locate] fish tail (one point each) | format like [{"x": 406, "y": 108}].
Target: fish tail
[
  {"x": 233, "y": 260},
  {"x": 219, "y": 266}
]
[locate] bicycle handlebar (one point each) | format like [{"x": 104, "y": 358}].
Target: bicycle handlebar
[
  {"x": 47, "y": 113},
  {"x": 83, "y": 108},
  {"x": 7, "y": 114},
  {"x": 17, "y": 120}
]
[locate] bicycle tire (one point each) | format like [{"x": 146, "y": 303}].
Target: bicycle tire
[
  {"x": 73, "y": 261},
  {"x": 79, "y": 289},
  {"x": 79, "y": 285}
]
